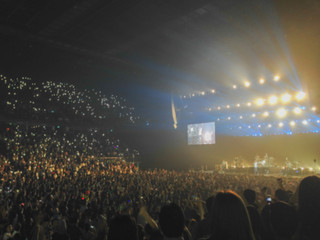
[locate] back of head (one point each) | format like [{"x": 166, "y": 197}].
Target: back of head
[
  {"x": 229, "y": 218},
  {"x": 171, "y": 220},
  {"x": 209, "y": 202},
  {"x": 309, "y": 204},
  {"x": 282, "y": 195},
  {"x": 249, "y": 195},
  {"x": 284, "y": 219},
  {"x": 123, "y": 227}
]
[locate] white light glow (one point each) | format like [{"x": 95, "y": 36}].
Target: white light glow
[
  {"x": 280, "y": 124},
  {"x": 281, "y": 112},
  {"x": 313, "y": 109},
  {"x": 266, "y": 114},
  {"x": 261, "y": 81},
  {"x": 247, "y": 84},
  {"x": 276, "y": 78},
  {"x": 300, "y": 96},
  {"x": 285, "y": 98},
  {"x": 304, "y": 122},
  {"x": 234, "y": 86},
  {"x": 273, "y": 100},
  {"x": 260, "y": 101},
  {"x": 297, "y": 110},
  {"x": 292, "y": 123}
]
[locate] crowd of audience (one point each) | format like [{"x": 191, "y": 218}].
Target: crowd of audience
[
  {"x": 24, "y": 99},
  {"x": 62, "y": 181}
]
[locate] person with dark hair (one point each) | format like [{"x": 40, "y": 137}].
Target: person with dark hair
[
  {"x": 255, "y": 218},
  {"x": 309, "y": 208},
  {"x": 283, "y": 220},
  {"x": 123, "y": 227},
  {"x": 229, "y": 218},
  {"x": 282, "y": 195},
  {"x": 171, "y": 221}
]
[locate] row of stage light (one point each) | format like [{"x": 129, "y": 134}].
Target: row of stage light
[
  {"x": 246, "y": 84},
  {"x": 280, "y": 113},
  {"x": 292, "y": 123},
  {"x": 273, "y": 100}
]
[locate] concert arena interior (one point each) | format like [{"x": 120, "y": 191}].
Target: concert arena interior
[{"x": 160, "y": 119}]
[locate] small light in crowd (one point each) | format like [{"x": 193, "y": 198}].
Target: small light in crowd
[
  {"x": 300, "y": 96},
  {"x": 280, "y": 124},
  {"x": 253, "y": 115},
  {"x": 261, "y": 81},
  {"x": 276, "y": 78},
  {"x": 249, "y": 104},
  {"x": 285, "y": 98},
  {"x": 219, "y": 108},
  {"x": 318, "y": 121},
  {"x": 234, "y": 86},
  {"x": 313, "y": 109},
  {"x": 240, "y": 117},
  {"x": 292, "y": 123},
  {"x": 240, "y": 127},
  {"x": 213, "y": 91},
  {"x": 249, "y": 126},
  {"x": 297, "y": 110},
  {"x": 192, "y": 94},
  {"x": 203, "y": 93},
  {"x": 281, "y": 112},
  {"x": 259, "y": 126},
  {"x": 228, "y": 106},
  {"x": 272, "y": 100},
  {"x": 259, "y": 101},
  {"x": 238, "y": 104},
  {"x": 269, "y": 125},
  {"x": 247, "y": 84},
  {"x": 304, "y": 122},
  {"x": 266, "y": 114},
  {"x": 229, "y": 118}
]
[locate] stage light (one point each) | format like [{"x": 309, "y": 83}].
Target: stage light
[
  {"x": 219, "y": 108},
  {"x": 269, "y": 125},
  {"x": 276, "y": 78},
  {"x": 229, "y": 118},
  {"x": 234, "y": 86},
  {"x": 304, "y": 122},
  {"x": 266, "y": 114},
  {"x": 192, "y": 94},
  {"x": 240, "y": 117},
  {"x": 272, "y": 100},
  {"x": 238, "y": 104},
  {"x": 184, "y": 96},
  {"x": 228, "y": 106},
  {"x": 247, "y": 84},
  {"x": 281, "y": 112},
  {"x": 285, "y": 98},
  {"x": 203, "y": 93},
  {"x": 292, "y": 123},
  {"x": 249, "y": 126},
  {"x": 300, "y": 96},
  {"x": 313, "y": 109},
  {"x": 213, "y": 91},
  {"x": 210, "y": 109},
  {"x": 297, "y": 110},
  {"x": 261, "y": 81},
  {"x": 260, "y": 101},
  {"x": 259, "y": 126},
  {"x": 253, "y": 115},
  {"x": 280, "y": 124},
  {"x": 240, "y": 127},
  {"x": 318, "y": 121},
  {"x": 249, "y": 104}
]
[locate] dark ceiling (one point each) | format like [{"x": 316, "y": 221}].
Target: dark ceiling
[{"x": 166, "y": 45}]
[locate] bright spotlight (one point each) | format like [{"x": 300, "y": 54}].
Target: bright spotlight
[
  {"x": 234, "y": 86},
  {"x": 219, "y": 108},
  {"x": 213, "y": 91},
  {"x": 292, "y": 123},
  {"x": 240, "y": 117},
  {"x": 273, "y": 100},
  {"x": 304, "y": 122},
  {"x": 318, "y": 121},
  {"x": 259, "y": 126},
  {"x": 203, "y": 93},
  {"x": 276, "y": 78},
  {"x": 229, "y": 118},
  {"x": 281, "y": 112},
  {"x": 253, "y": 115},
  {"x": 247, "y": 84},
  {"x": 285, "y": 98},
  {"x": 238, "y": 104},
  {"x": 193, "y": 95},
  {"x": 266, "y": 114},
  {"x": 269, "y": 125},
  {"x": 280, "y": 124},
  {"x": 249, "y": 104},
  {"x": 313, "y": 109},
  {"x": 259, "y": 101},
  {"x": 297, "y": 110},
  {"x": 261, "y": 81},
  {"x": 300, "y": 96},
  {"x": 228, "y": 106}
]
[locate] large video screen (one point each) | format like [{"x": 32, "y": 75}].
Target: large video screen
[{"x": 201, "y": 133}]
